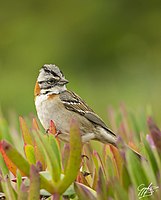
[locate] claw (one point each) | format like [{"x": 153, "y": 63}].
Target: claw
[
  {"x": 58, "y": 133},
  {"x": 84, "y": 173},
  {"x": 84, "y": 156}
]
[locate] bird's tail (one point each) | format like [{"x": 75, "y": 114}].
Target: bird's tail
[{"x": 110, "y": 138}]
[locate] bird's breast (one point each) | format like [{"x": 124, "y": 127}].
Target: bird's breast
[
  {"x": 48, "y": 109},
  {"x": 51, "y": 108}
]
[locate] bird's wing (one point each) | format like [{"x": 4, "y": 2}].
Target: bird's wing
[{"x": 74, "y": 103}]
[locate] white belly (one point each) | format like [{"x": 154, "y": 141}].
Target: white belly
[{"x": 49, "y": 109}]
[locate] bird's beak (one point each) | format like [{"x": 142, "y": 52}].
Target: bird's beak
[{"x": 63, "y": 81}]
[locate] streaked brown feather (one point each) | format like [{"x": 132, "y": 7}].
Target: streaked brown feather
[{"x": 74, "y": 103}]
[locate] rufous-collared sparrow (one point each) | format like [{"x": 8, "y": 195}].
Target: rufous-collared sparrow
[{"x": 54, "y": 102}]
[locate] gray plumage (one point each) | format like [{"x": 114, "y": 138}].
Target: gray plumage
[{"x": 74, "y": 103}]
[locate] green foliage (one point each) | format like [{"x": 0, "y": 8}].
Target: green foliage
[
  {"x": 49, "y": 168},
  {"x": 112, "y": 47}
]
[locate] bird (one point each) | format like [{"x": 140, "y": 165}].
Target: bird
[{"x": 54, "y": 102}]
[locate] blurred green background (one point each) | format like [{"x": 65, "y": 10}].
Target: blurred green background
[{"x": 110, "y": 51}]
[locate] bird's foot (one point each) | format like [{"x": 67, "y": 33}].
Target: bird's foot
[
  {"x": 84, "y": 156},
  {"x": 58, "y": 133},
  {"x": 47, "y": 130},
  {"x": 84, "y": 173}
]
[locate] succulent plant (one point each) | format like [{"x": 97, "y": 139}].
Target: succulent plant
[{"x": 36, "y": 165}]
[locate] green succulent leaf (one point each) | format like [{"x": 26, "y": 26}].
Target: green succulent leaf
[
  {"x": 4, "y": 130},
  {"x": 55, "y": 148},
  {"x": 50, "y": 155},
  {"x": 85, "y": 192},
  {"x": 18, "y": 180},
  {"x": 74, "y": 159},
  {"x": 27, "y": 136},
  {"x": 23, "y": 192},
  {"x": 15, "y": 157},
  {"x": 34, "y": 189},
  {"x": 10, "y": 194},
  {"x": 135, "y": 169},
  {"x": 30, "y": 154}
]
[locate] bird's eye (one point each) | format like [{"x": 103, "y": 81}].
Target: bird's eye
[{"x": 51, "y": 81}]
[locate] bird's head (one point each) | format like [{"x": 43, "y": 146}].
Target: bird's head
[{"x": 51, "y": 80}]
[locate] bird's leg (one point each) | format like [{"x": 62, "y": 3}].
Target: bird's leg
[
  {"x": 47, "y": 130},
  {"x": 58, "y": 133},
  {"x": 83, "y": 172}
]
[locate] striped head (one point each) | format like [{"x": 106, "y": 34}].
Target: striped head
[{"x": 50, "y": 80}]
